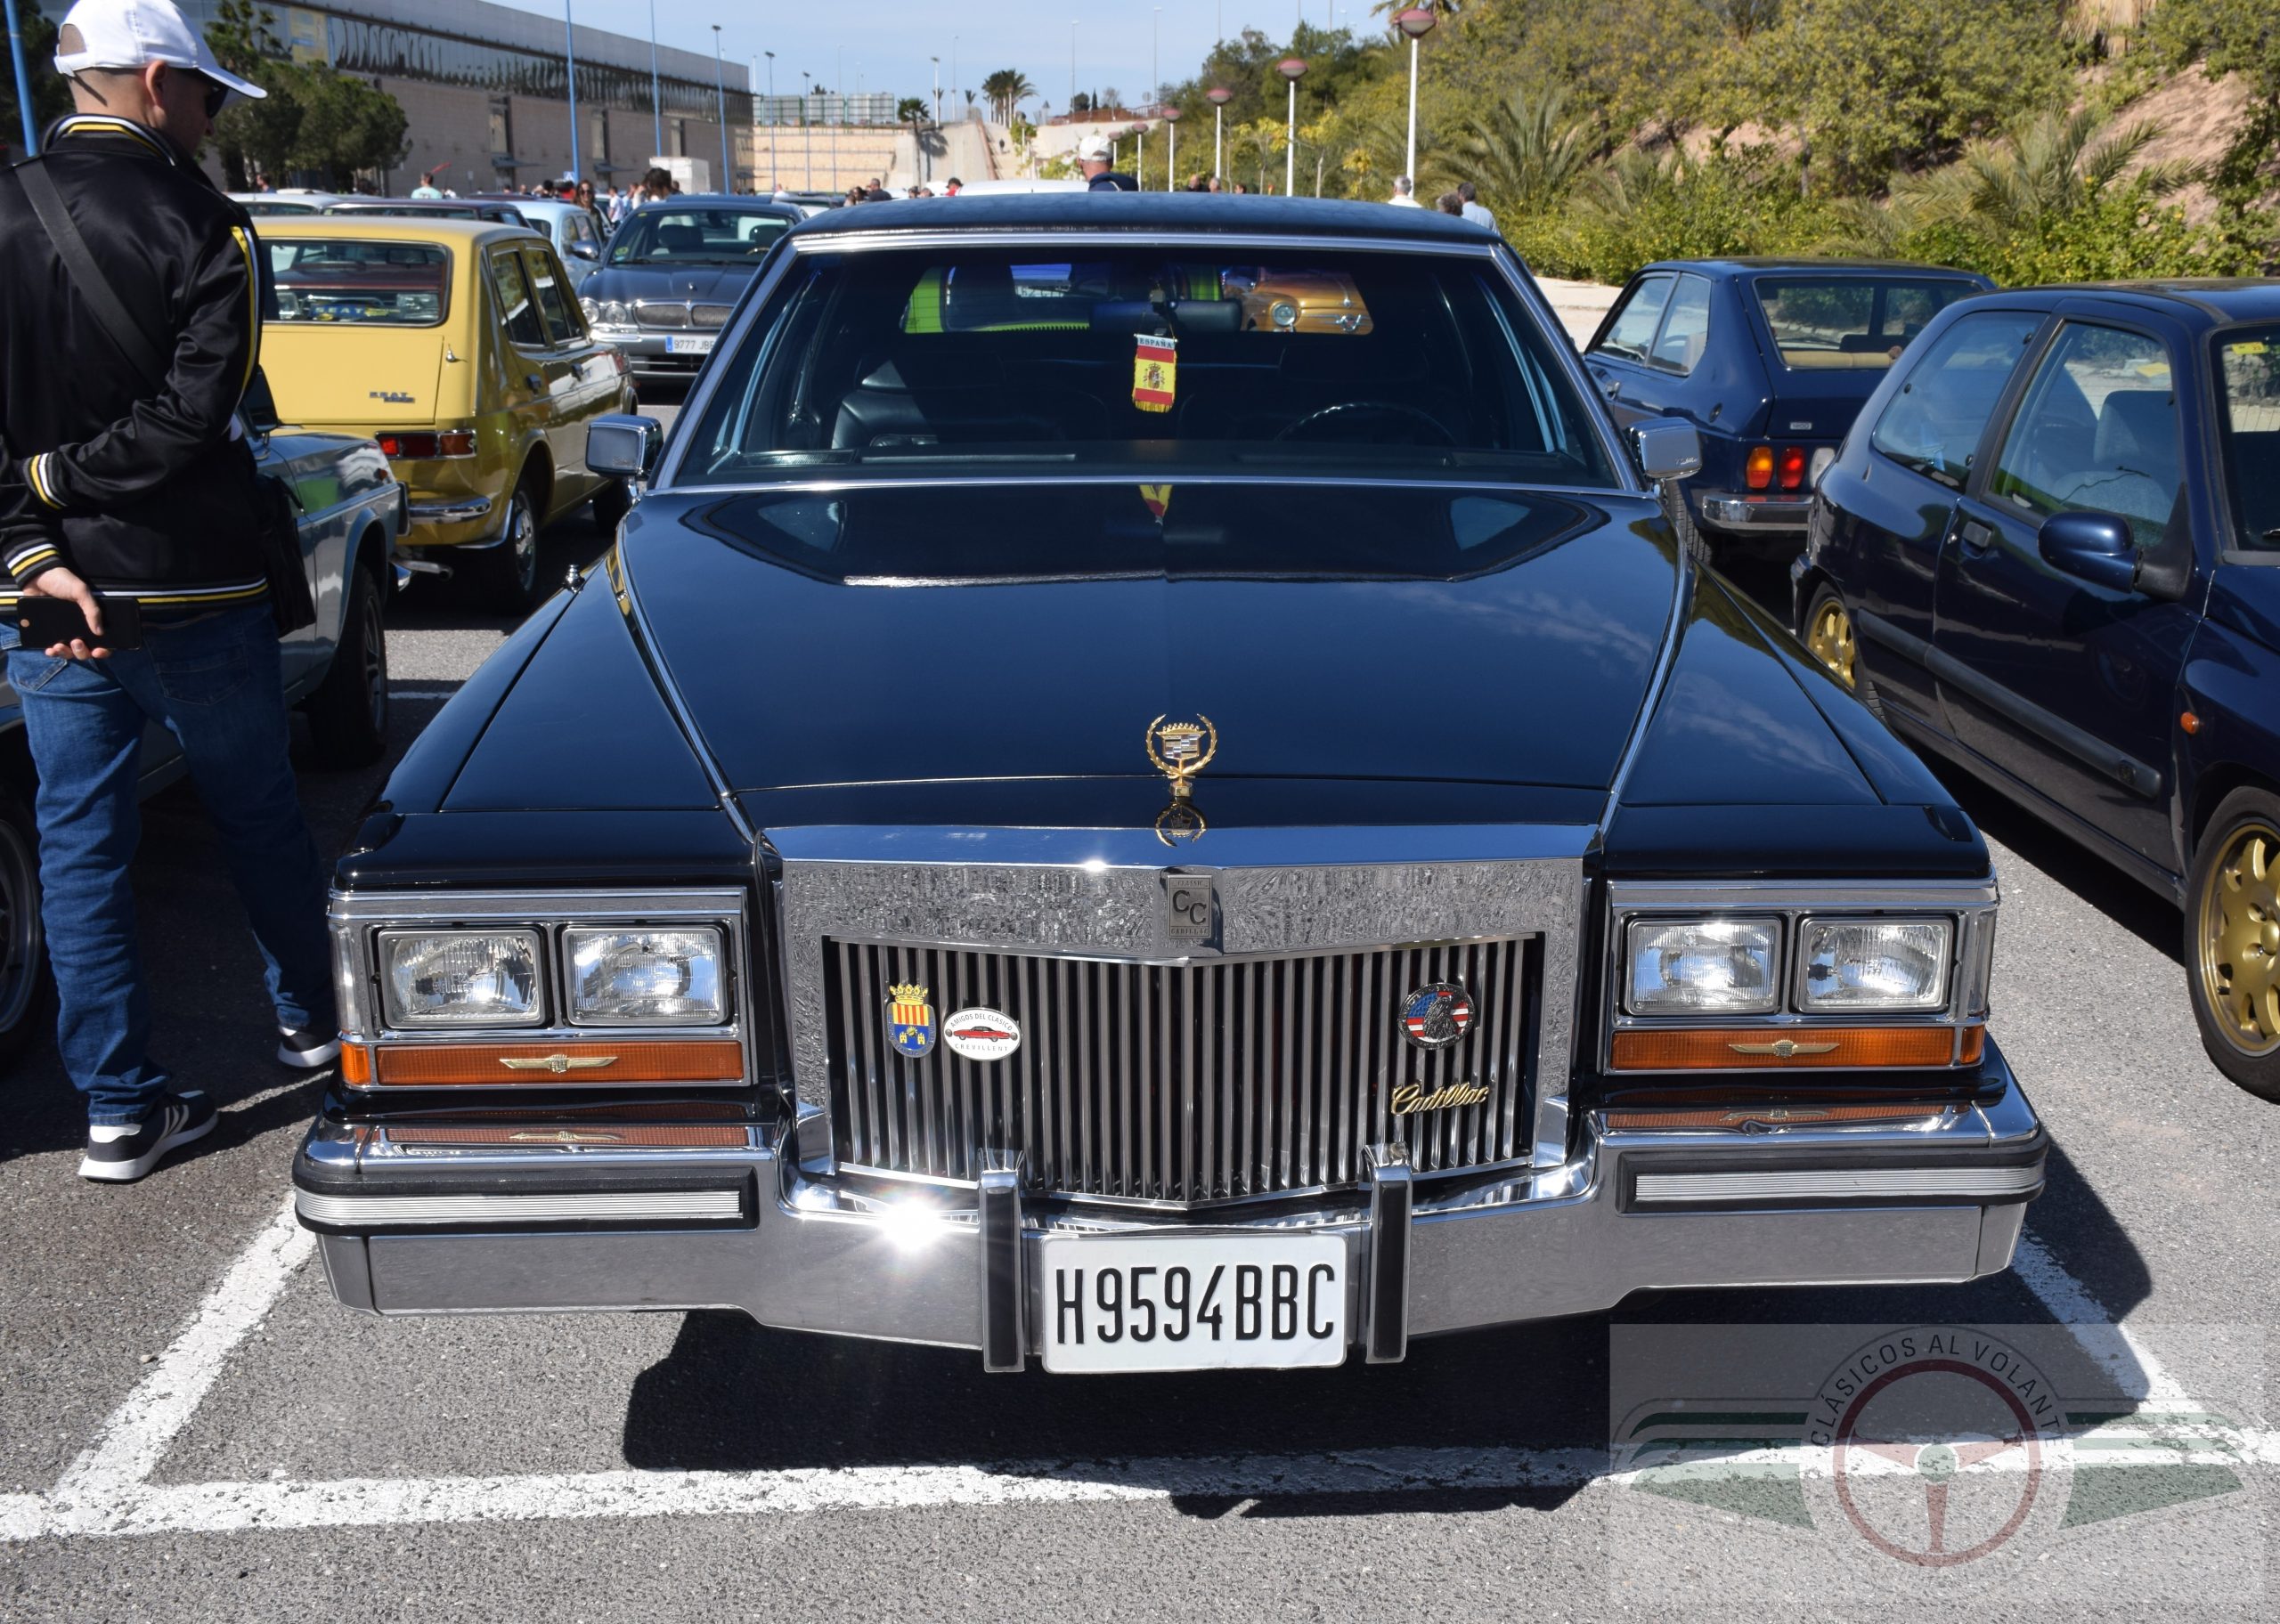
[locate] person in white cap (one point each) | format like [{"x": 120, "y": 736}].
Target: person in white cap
[
  {"x": 1093, "y": 157},
  {"x": 131, "y": 294}
]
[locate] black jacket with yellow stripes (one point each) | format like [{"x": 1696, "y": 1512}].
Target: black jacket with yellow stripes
[{"x": 144, "y": 490}]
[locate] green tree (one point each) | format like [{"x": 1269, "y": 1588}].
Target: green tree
[
  {"x": 316, "y": 120},
  {"x": 346, "y": 125},
  {"x": 51, "y": 95},
  {"x": 1524, "y": 153}
]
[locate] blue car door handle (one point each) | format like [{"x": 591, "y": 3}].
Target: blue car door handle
[{"x": 1975, "y": 537}]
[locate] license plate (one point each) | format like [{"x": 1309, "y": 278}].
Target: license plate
[
  {"x": 677, "y": 344},
  {"x": 1116, "y": 1302}
]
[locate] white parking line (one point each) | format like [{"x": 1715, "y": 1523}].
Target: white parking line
[{"x": 107, "y": 1490}]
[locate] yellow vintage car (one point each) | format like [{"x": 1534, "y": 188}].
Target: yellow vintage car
[
  {"x": 459, "y": 346},
  {"x": 1292, "y": 301}
]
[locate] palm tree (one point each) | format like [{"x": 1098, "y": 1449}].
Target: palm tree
[
  {"x": 2045, "y": 167},
  {"x": 1008, "y": 89},
  {"x": 1524, "y": 153}
]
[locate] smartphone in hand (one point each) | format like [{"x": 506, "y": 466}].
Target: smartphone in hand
[{"x": 43, "y": 622}]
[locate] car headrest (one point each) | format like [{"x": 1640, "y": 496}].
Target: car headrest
[
  {"x": 681, "y": 238},
  {"x": 904, "y": 374},
  {"x": 2137, "y": 427}
]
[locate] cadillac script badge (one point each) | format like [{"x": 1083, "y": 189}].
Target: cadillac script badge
[{"x": 1181, "y": 750}]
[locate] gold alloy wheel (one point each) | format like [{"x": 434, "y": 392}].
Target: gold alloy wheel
[
  {"x": 2240, "y": 939},
  {"x": 1829, "y": 640}
]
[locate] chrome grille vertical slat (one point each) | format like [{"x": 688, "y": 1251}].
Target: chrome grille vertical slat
[{"x": 1183, "y": 1082}]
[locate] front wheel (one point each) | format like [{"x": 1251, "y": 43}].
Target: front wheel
[
  {"x": 2232, "y": 940},
  {"x": 506, "y": 577},
  {"x": 1830, "y": 638},
  {"x": 24, "y": 982},
  {"x": 1682, "y": 518},
  {"x": 348, "y": 713}
]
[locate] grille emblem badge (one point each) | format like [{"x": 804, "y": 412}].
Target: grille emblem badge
[
  {"x": 1181, "y": 750},
  {"x": 910, "y": 1020},
  {"x": 557, "y": 1063},
  {"x": 1435, "y": 1015},
  {"x": 982, "y": 1035},
  {"x": 1409, "y": 1099}
]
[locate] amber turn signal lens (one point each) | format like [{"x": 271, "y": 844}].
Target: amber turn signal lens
[
  {"x": 1796, "y": 1049},
  {"x": 1757, "y": 469},
  {"x": 602, "y": 1135},
  {"x": 1742, "y": 1116},
  {"x": 543, "y": 1065}
]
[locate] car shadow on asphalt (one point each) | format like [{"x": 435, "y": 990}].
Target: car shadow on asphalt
[{"x": 735, "y": 1396}]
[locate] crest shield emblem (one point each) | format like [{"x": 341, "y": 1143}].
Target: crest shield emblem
[{"x": 910, "y": 1020}]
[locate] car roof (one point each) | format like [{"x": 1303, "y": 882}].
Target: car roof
[
  {"x": 1750, "y": 264},
  {"x": 1298, "y": 218},
  {"x": 442, "y": 229},
  {"x": 2207, "y": 301},
  {"x": 717, "y": 200}
]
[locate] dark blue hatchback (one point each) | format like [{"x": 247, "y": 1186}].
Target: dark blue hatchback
[
  {"x": 1770, "y": 359},
  {"x": 2050, "y": 552}
]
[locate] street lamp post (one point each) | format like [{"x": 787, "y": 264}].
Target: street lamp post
[
  {"x": 656, "y": 91},
  {"x": 721, "y": 95},
  {"x": 1072, "y": 68},
  {"x": 918, "y": 137},
  {"x": 570, "y": 55},
  {"x": 1416, "y": 22},
  {"x": 1218, "y": 96},
  {"x": 1170, "y": 115},
  {"x": 774, "y": 182},
  {"x": 23, "y": 82},
  {"x": 1293, "y": 68},
  {"x": 806, "y": 136}
]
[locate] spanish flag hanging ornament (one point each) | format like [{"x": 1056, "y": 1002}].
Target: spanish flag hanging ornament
[{"x": 1155, "y": 372}]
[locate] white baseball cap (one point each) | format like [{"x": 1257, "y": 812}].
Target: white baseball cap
[
  {"x": 1092, "y": 150},
  {"x": 135, "y": 33}
]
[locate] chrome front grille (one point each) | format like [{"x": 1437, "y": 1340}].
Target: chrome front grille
[
  {"x": 710, "y": 316},
  {"x": 674, "y": 315},
  {"x": 1215, "y": 1080}
]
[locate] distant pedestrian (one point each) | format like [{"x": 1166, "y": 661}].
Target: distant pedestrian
[
  {"x": 1214, "y": 184},
  {"x": 952, "y": 187},
  {"x": 1403, "y": 193},
  {"x": 427, "y": 189},
  {"x": 1094, "y": 157},
  {"x": 136, "y": 483},
  {"x": 1473, "y": 208},
  {"x": 1449, "y": 203}
]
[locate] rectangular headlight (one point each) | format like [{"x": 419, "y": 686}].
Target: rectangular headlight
[
  {"x": 1874, "y": 964},
  {"x": 461, "y": 978},
  {"x": 642, "y": 977},
  {"x": 1703, "y": 966}
]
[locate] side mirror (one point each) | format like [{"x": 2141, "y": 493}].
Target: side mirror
[
  {"x": 586, "y": 250},
  {"x": 1667, "y": 449},
  {"x": 624, "y": 447},
  {"x": 2093, "y": 547},
  {"x": 259, "y": 406}
]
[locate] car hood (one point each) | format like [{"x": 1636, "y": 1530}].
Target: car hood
[
  {"x": 802, "y": 667},
  {"x": 699, "y": 284}
]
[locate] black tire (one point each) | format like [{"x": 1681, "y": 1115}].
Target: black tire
[
  {"x": 2232, "y": 940},
  {"x": 348, "y": 711},
  {"x": 25, "y": 985},
  {"x": 1682, "y": 518},
  {"x": 611, "y": 504},
  {"x": 1831, "y": 636},
  {"x": 509, "y": 578}
]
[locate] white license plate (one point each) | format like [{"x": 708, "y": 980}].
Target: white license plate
[
  {"x": 677, "y": 344},
  {"x": 1116, "y": 1302}
]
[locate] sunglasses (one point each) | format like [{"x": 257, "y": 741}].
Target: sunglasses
[{"x": 217, "y": 97}]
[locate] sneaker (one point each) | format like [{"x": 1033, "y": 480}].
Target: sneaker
[
  {"x": 308, "y": 1050},
  {"x": 123, "y": 1153}
]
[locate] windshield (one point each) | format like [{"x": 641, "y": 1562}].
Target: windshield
[
  {"x": 367, "y": 284},
  {"x": 1858, "y": 322},
  {"x": 2249, "y": 377},
  {"x": 1151, "y": 358},
  {"x": 695, "y": 237}
]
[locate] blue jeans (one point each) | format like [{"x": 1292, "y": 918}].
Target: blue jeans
[{"x": 216, "y": 685}]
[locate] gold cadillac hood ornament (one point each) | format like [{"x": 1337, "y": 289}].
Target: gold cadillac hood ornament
[{"x": 1181, "y": 750}]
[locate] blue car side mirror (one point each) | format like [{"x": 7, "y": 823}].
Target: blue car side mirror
[{"x": 2093, "y": 547}]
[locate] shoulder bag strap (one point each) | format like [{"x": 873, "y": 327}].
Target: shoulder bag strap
[{"x": 47, "y": 202}]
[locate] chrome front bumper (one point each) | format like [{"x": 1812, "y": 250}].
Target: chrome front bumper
[
  {"x": 646, "y": 350},
  {"x": 561, "y": 1227}
]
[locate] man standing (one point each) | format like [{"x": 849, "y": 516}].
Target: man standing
[
  {"x": 1473, "y": 208},
  {"x": 1404, "y": 189},
  {"x": 116, "y": 483},
  {"x": 427, "y": 189},
  {"x": 1093, "y": 159}
]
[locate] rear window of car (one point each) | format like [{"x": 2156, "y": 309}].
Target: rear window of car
[
  {"x": 1858, "y": 322},
  {"x": 1158, "y": 358},
  {"x": 695, "y": 236},
  {"x": 362, "y": 284},
  {"x": 2248, "y": 378}
]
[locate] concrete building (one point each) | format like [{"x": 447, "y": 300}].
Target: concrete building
[{"x": 486, "y": 90}]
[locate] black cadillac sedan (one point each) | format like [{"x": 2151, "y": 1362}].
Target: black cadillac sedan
[{"x": 1077, "y": 826}]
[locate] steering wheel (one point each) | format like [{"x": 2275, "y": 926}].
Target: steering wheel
[{"x": 1347, "y": 415}]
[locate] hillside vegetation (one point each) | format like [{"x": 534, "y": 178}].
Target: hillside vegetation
[{"x": 2009, "y": 136}]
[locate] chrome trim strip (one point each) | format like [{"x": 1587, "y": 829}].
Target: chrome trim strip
[
  {"x": 1386, "y": 1287},
  {"x": 1837, "y": 1185},
  {"x": 630, "y": 1207},
  {"x": 450, "y": 513},
  {"x": 1005, "y": 1293}
]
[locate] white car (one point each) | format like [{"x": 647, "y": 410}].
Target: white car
[{"x": 984, "y": 189}]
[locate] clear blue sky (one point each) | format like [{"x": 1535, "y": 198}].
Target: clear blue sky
[{"x": 887, "y": 42}]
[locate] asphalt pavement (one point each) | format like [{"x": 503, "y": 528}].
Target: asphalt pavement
[{"x": 190, "y": 1429}]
